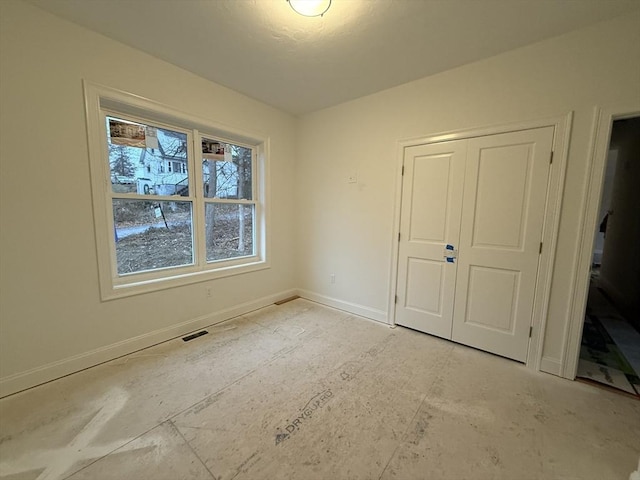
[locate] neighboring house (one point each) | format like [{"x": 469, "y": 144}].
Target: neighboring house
[
  {"x": 163, "y": 170},
  {"x": 226, "y": 179}
]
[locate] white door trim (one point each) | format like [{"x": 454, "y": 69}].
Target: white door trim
[
  {"x": 562, "y": 129},
  {"x": 603, "y": 119}
]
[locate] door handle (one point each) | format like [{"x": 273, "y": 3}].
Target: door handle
[{"x": 450, "y": 253}]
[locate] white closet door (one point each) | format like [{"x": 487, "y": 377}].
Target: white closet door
[
  {"x": 430, "y": 219},
  {"x": 501, "y": 231}
]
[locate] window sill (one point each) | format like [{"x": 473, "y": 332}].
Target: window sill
[{"x": 114, "y": 291}]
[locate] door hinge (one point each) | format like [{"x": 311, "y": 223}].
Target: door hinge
[
  {"x": 396, "y": 299},
  {"x": 551, "y": 158},
  {"x": 402, "y": 169},
  {"x": 540, "y": 251},
  {"x": 530, "y": 331},
  {"x": 398, "y": 236}
]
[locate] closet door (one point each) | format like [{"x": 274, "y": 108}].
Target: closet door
[
  {"x": 501, "y": 231},
  {"x": 430, "y": 219}
]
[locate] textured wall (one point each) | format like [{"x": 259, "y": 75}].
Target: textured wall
[
  {"x": 51, "y": 308},
  {"x": 346, "y": 229}
]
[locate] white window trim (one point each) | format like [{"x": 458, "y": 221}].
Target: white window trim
[{"x": 98, "y": 98}]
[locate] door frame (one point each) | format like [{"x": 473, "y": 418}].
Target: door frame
[
  {"x": 553, "y": 203},
  {"x": 603, "y": 119}
]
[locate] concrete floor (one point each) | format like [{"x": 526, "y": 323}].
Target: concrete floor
[{"x": 302, "y": 391}]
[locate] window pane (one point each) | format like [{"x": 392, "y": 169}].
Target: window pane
[
  {"x": 146, "y": 160},
  {"x": 229, "y": 229},
  {"x": 226, "y": 170},
  {"x": 152, "y": 235}
]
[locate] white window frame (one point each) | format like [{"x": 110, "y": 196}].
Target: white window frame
[{"x": 101, "y": 101}]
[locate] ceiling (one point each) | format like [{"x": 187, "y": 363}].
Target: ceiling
[{"x": 263, "y": 49}]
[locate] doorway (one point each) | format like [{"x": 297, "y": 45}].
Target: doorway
[{"x": 610, "y": 344}]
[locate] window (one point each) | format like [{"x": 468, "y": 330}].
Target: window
[
  {"x": 229, "y": 208},
  {"x": 185, "y": 200}
]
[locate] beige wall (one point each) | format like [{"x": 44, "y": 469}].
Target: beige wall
[
  {"x": 51, "y": 313},
  {"x": 50, "y": 305},
  {"x": 346, "y": 229}
]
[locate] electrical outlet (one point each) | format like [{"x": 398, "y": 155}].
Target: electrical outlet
[
  {"x": 332, "y": 277},
  {"x": 208, "y": 292}
]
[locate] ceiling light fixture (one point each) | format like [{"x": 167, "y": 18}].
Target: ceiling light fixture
[{"x": 310, "y": 8}]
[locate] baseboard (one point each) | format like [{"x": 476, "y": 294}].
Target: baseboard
[
  {"x": 551, "y": 365},
  {"x": 39, "y": 375},
  {"x": 356, "y": 309}
]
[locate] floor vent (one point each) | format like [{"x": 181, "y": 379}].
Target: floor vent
[
  {"x": 194, "y": 335},
  {"x": 280, "y": 302}
]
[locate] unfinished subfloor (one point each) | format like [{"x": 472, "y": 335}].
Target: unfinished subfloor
[{"x": 302, "y": 391}]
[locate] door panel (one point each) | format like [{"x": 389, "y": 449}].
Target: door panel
[
  {"x": 492, "y": 294},
  {"x": 425, "y": 275},
  {"x": 497, "y": 222},
  {"x": 502, "y": 218},
  {"x": 430, "y": 188},
  {"x": 430, "y": 218}
]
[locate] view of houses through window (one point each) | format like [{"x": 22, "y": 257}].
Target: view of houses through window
[{"x": 156, "y": 208}]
